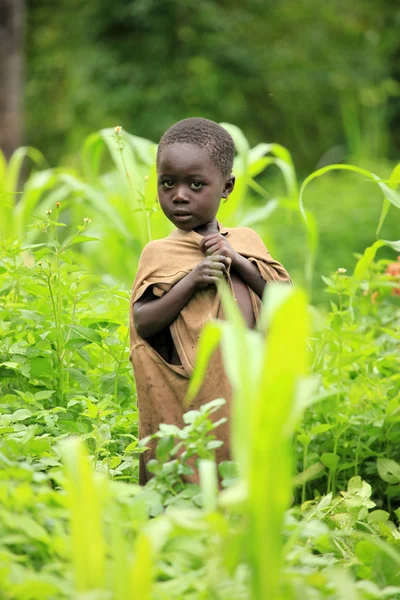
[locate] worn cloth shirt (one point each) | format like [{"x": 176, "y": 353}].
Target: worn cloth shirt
[{"x": 161, "y": 386}]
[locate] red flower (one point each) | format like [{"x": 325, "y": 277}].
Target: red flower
[{"x": 393, "y": 269}]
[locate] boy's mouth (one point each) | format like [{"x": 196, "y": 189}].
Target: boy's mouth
[{"x": 182, "y": 215}]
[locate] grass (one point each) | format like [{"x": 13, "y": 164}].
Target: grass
[{"x": 308, "y": 508}]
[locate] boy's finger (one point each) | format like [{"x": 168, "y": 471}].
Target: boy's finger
[
  {"x": 218, "y": 266},
  {"x": 218, "y": 274},
  {"x": 212, "y": 249},
  {"x": 221, "y": 258},
  {"x": 211, "y": 236},
  {"x": 208, "y": 239},
  {"x": 217, "y": 257},
  {"x": 209, "y": 244}
]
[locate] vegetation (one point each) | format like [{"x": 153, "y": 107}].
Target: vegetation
[
  {"x": 321, "y": 80},
  {"x": 310, "y": 506},
  {"x": 308, "y": 509}
]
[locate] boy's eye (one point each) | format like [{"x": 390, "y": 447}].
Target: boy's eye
[
  {"x": 196, "y": 185},
  {"x": 168, "y": 184}
]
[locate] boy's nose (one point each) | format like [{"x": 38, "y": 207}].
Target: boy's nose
[{"x": 180, "y": 196}]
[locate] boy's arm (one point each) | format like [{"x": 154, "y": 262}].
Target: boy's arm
[
  {"x": 250, "y": 274},
  {"x": 152, "y": 316}
]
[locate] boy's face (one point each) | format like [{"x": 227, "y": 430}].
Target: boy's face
[{"x": 190, "y": 186}]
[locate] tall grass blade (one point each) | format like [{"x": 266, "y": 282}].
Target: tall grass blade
[
  {"x": 141, "y": 573},
  {"x": 285, "y": 362},
  {"x": 125, "y": 163},
  {"x": 389, "y": 193},
  {"x": 40, "y": 192},
  {"x": 92, "y": 153},
  {"x": 242, "y": 354},
  {"x": 119, "y": 548},
  {"x": 240, "y": 170},
  {"x": 85, "y": 499},
  {"x": 259, "y": 215},
  {"x": 362, "y": 266},
  {"x": 393, "y": 183},
  {"x": 9, "y": 178},
  {"x": 16, "y": 162},
  {"x": 208, "y": 342},
  {"x": 208, "y": 484}
]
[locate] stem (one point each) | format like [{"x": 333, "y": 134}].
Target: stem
[
  {"x": 142, "y": 206},
  {"x": 119, "y": 362},
  {"x": 358, "y": 450},
  {"x": 56, "y": 322},
  {"x": 149, "y": 237},
  {"x": 258, "y": 188},
  {"x": 332, "y": 473},
  {"x": 60, "y": 340},
  {"x": 303, "y": 489}
]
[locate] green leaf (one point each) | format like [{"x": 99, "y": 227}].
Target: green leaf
[
  {"x": 228, "y": 469},
  {"x": 44, "y": 395},
  {"x": 10, "y": 365},
  {"x": 164, "y": 447},
  {"x": 208, "y": 484},
  {"x": 21, "y": 414},
  {"x": 30, "y": 528},
  {"x": 141, "y": 573},
  {"x": 88, "y": 333},
  {"x": 365, "y": 261},
  {"x": 172, "y": 430},
  {"x": 321, "y": 428},
  {"x": 388, "y": 470},
  {"x": 208, "y": 342},
  {"x": 78, "y": 239},
  {"x": 259, "y": 215},
  {"x": 37, "y": 586},
  {"x": 132, "y": 447},
  {"x": 378, "y": 516},
  {"x": 389, "y": 194},
  {"x": 285, "y": 360},
  {"x": 85, "y": 496},
  {"x": 74, "y": 343},
  {"x": 330, "y": 460}
]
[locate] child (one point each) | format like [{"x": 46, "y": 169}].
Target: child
[{"x": 175, "y": 293}]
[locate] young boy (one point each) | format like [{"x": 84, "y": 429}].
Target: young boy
[{"x": 174, "y": 293}]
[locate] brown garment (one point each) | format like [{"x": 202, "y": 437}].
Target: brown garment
[{"x": 161, "y": 387}]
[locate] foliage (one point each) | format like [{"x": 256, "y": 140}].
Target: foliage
[
  {"x": 63, "y": 355},
  {"x": 114, "y": 186},
  {"x": 325, "y": 86},
  {"x": 356, "y": 354},
  {"x": 308, "y": 508},
  {"x": 190, "y": 551}
]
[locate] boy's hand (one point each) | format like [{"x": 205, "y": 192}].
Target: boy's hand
[
  {"x": 209, "y": 271},
  {"x": 216, "y": 243}
]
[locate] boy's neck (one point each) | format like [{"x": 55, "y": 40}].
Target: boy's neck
[{"x": 207, "y": 228}]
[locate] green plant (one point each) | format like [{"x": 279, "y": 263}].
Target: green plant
[{"x": 308, "y": 508}]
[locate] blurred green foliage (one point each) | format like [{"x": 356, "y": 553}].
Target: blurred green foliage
[
  {"x": 113, "y": 187},
  {"x": 319, "y": 78}
]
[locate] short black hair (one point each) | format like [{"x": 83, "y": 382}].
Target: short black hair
[{"x": 205, "y": 134}]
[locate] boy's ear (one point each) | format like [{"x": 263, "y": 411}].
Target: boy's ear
[{"x": 229, "y": 186}]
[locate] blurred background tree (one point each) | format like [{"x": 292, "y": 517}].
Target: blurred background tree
[
  {"x": 11, "y": 60},
  {"x": 316, "y": 77}
]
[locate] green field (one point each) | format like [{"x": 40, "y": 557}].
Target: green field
[{"x": 310, "y": 507}]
